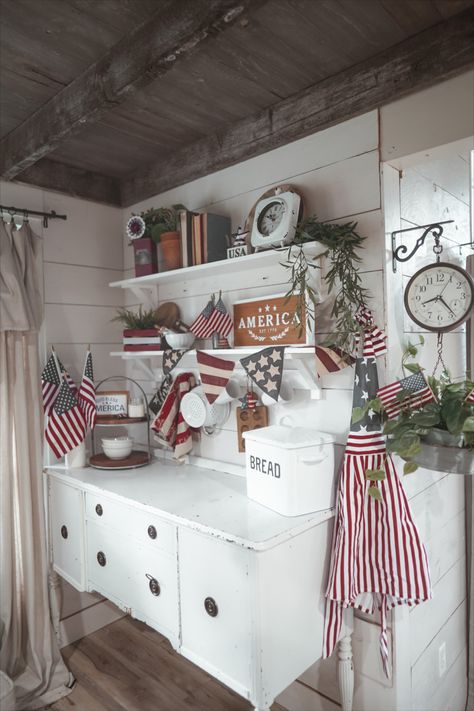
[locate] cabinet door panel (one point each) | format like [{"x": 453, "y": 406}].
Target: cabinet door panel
[
  {"x": 154, "y": 589},
  {"x": 67, "y": 533},
  {"x": 221, "y": 642},
  {"x": 109, "y": 563}
]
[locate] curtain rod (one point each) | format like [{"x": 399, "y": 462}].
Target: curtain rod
[{"x": 23, "y": 210}]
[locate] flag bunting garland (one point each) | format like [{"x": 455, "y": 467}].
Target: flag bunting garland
[
  {"x": 265, "y": 368},
  {"x": 156, "y": 402},
  {"x": 409, "y": 393},
  {"x": 171, "y": 358},
  {"x": 86, "y": 395},
  {"x": 331, "y": 360},
  {"x": 377, "y": 560},
  {"x": 66, "y": 427},
  {"x": 470, "y": 397},
  {"x": 215, "y": 374}
]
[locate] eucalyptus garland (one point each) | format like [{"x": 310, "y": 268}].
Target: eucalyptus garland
[{"x": 342, "y": 242}]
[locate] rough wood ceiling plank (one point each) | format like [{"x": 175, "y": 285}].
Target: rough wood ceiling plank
[
  {"x": 433, "y": 55},
  {"x": 73, "y": 181},
  {"x": 150, "y": 51}
]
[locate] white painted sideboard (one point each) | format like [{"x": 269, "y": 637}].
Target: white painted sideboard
[{"x": 234, "y": 586}]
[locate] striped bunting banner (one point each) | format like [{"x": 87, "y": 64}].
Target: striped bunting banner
[
  {"x": 331, "y": 360},
  {"x": 470, "y": 397},
  {"x": 215, "y": 374}
]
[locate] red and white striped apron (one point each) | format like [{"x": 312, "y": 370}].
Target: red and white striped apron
[{"x": 378, "y": 560}]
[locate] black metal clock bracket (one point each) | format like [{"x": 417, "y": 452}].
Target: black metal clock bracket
[{"x": 399, "y": 254}]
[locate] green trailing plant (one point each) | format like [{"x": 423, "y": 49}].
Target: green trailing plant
[
  {"x": 140, "y": 319},
  {"x": 342, "y": 242},
  {"x": 161, "y": 219},
  {"x": 450, "y": 413}
]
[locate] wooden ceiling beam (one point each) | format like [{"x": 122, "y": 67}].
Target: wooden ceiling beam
[
  {"x": 62, "y": 178},
  {"x": 425, "y": 59},
  {"x": 138, "y": 59}
]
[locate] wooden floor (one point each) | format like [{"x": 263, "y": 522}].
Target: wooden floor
[{"x": 127, "y": 666}]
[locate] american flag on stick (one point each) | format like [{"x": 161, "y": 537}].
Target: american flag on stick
[
  {"x": 50, "y": 383},
  {"x": 215, "y": 374},
  {"x": 86, "y": 395},
  {"x": 66, "y": 427},
  {"x": 200, "y": 327},
  {"x": 220, "y": 321},
  {"x": 470, "y": 397},
  {"x": 68, "y": 378},
  {"x": 417, "y": 394}
]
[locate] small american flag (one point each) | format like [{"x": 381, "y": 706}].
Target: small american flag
[
  {"x": 418, "y": 394},
  {"x": 86, "y": 395},
  {"x": 470, "y": 396},
  {"x": 220, "y": 321},
  {"x": 50, "y": 382},
  {"x": 66, "y": 426},
  {"x": 215, "y": 374},
  {"x": 68, "y": 378},
  {"x": 200, "y": 327}
]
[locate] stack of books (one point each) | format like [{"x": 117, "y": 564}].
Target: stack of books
[
  {"x": 135, "y": 339},
  {"x": 204, "y": 237}
]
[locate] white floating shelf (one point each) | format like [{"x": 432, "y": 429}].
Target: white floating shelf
[
  {"x": 301, "y": 357},
  {"x": 222, "y": 267}
]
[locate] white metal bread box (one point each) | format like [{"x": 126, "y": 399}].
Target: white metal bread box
[{"x": 290, "y": 469}]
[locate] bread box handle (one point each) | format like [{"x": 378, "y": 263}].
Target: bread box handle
[{"x": 315, "y": 460}]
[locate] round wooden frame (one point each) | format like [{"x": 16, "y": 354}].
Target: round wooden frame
[{"x": 429, "y": 267}]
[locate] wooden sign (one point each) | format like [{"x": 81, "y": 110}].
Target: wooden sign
[
  {"x": 112, "y": 403},
  {"x": 270, "y": 321}
]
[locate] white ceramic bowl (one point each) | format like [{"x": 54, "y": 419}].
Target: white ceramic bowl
[
  {"x": 180, "y": 340},
  {"x": 117, "y": 447}
]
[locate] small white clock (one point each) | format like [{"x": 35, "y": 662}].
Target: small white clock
[
  {"x": 440, "y": 297},
  {"x": 275, "y": 220}
]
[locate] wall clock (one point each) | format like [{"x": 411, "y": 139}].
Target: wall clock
[
  {"x": 440, "y": 296},
  {"x": 275, "y": 220}
]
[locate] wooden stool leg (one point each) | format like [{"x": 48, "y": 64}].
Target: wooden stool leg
[{"x": 345, "y": 673}]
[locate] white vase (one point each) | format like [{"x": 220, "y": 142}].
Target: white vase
[{"x": 76, "y": 457}]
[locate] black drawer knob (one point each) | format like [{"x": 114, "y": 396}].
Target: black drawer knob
[
  {"x": 152, "y": 532},
  {"x": 210, "y": 606},
  {"x": 101, "y": 559},
  {"x": 64, "y": 532},
  {"x": 153, "y": 584},
  {"x": 99, "y": 510}
]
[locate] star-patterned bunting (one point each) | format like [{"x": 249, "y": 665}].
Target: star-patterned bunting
[
  {"x": 265, "y": 368},
  {"x": 171, "y": 359},
  {"x": 215, "y": 374}
]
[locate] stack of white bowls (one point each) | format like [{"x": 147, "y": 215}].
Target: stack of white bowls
[{"x": 117, "y": 447}]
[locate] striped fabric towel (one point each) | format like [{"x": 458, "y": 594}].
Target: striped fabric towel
[{"x": 169, "y": 425}]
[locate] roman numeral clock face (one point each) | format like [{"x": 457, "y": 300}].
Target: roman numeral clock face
[{"x": 440, "y": 297}]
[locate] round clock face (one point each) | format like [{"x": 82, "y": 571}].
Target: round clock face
[
  {"x": 440, "y": 296},
  {"x": 270, "y": 217}
]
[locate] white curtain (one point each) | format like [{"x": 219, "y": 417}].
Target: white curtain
[{"x": 29, "y": 652}]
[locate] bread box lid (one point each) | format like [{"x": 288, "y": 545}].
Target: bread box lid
[{"x": 289, "y": 437}]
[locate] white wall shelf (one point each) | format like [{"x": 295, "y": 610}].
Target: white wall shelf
[
  {"x": 221, "y": 268},
  {"x": 301, "y": 359}
]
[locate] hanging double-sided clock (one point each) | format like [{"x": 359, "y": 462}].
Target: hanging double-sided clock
[{"x": 440, "y": 297}]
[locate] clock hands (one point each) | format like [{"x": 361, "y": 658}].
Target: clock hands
[{"x": 439, "y": 297}]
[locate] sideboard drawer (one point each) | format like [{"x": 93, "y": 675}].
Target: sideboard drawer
[
  {"x": 67, "y": 533},
  {"x": 216, "y": 607},
  {"x": 132, "y": 521}
]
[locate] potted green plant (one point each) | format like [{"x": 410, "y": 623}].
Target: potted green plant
[
  {"x": 161, "y": 225},
  {"x": 141, "y": 331},
  {"x": 342, "y": 242},
  {"x": 439, "y": 435}
]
